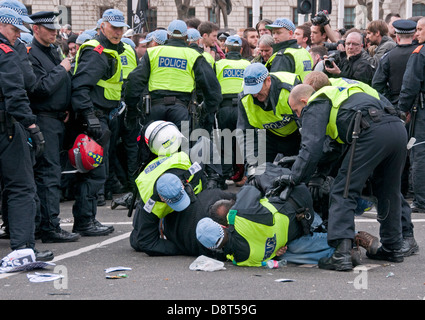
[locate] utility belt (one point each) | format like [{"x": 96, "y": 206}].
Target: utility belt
[
  {"x": 169, "y": 100},
  {"x": 374, "y": 115},
  {"x": 303, "y": 215},
  {"x": 6, "y": 124},
  {"x": 53, "y": 114}
]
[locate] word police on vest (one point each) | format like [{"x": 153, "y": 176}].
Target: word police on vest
[
  {"x": 167, "y": 62},
  {"x": 233, "y": 73}
]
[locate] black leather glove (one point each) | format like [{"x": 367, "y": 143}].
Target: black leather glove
[
  {"x": 279, "y": 184},
  {"x": 130, "y": 118},
  {"x": 315, "y": 185},
  {"x": 37, "y": 140},
  {"x": 92, "y": 123}
]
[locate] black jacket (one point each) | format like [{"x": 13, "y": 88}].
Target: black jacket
[
  {"x": 283, "y": 62},
  {"x": 388, "y": 76},
  {"x": 315, "y": 118},
  {"x": 93, "y": 67},
  {"x": 356, "y": 68},
  {"x": 52, "y": 90},
  {"x": 12, "y": 87},
  {"x": 413, "y": 79}
]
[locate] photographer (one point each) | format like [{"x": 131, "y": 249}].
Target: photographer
[
  {"x": 350, "y": 64},
  {"x": 321, "y": 31}
]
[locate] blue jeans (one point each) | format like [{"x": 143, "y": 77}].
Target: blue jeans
[{"x": 308, "y": 249}]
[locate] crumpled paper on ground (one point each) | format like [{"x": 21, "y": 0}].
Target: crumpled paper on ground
[
  {"x": 205, "y": 263},
  {"x": 22, "y": 260},
  {"x": 43, "y": 277}
]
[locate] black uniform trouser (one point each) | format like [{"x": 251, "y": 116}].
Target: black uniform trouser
[
  {"x": 47, "y": 172},
  {"x": 417, "y": 155},
  {"x": 88, "y": 184},
  {"x": 380, "y": 152},
  {"x": 175, "y": 113},
  {"x": 124, "y": 158},
  {"x": 227, "y": 118},
  {"x": 16, "y": 170}
]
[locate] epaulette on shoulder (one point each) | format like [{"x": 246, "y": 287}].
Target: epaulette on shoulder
[
  {"x": 418, "y": 49},
  {"x": 99, "y": 49},
  {"x": 5, "y": 48}
]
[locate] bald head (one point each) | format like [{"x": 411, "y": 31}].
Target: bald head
[
  {"x": 317, "y": 80},
  {"x": 299, "y": 97}
]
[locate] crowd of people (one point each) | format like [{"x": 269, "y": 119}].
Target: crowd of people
[{"x": 320, "y": 122}]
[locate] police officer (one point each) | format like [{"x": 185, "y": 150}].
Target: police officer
[
  {"x": 388, "y": 76},
  {"x": 379, "y": 151},
  {"x": 50, "y": 100},
  {"x": 387, "y": 79},
  {"x": 146, "y": 237},
  {"x": 122, "y": 136},
  {"x": 230, "y": 76},
  {"x": 287, "y": 54},
  {"x": 329, "y": 164},
  {"x": 411, "y": 88},
  {"x": 256, "y": 228},
  {"x": 96, "y": 92},
  {"x": 29, "y": 76},
  {"x": 171, "y": 72},
  {"x": 17, "y": 123},
  {"x": 264, "y": 105}
]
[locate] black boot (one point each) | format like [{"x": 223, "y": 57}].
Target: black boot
[
  {"x": 387, "y": 255},
  {"x": 341, "y": 258}
]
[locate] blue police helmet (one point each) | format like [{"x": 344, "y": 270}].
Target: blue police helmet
[
  {"x": 10, "y": 16},
  {"x": 18, "y": 7},
  {"x": 160, "y": 36},
  {"x": 148, "y": 38},
  {"x": 253, "y": 78},
  {"x": 26, "y": 37},
  {"x": 115, "y": 17},
  {"x": 193, "y": 35},
  {"x": 282, "y": 23},
  {"x": 177, "y": 28},
  {"x": 234, "y": 40},
  {"x": 129, "y": 42},
  {"x": 83, "y": 38},
  {"x": 91, "y": 32}
]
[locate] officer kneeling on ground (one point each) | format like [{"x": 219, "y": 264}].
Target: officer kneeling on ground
[{"x": 164, "y": 140}]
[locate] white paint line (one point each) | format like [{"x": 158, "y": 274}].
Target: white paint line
[
  {"x": 91, "y": 247},
  {"x": 79, "y": 251},
  {"x": 374, "y": 220}
]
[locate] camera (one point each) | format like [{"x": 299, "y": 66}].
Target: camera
[
  {"x": 333, "y": 46},
  {"x": 329, "y": 61}
]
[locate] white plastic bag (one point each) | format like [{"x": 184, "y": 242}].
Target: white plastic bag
[{"x": 205, "y": 263}]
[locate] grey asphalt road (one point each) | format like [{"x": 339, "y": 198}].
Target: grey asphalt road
[{"x": 82, "y": 265}]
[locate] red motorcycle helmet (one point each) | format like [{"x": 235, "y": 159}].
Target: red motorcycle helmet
[{"x": 86, "y": 154}]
